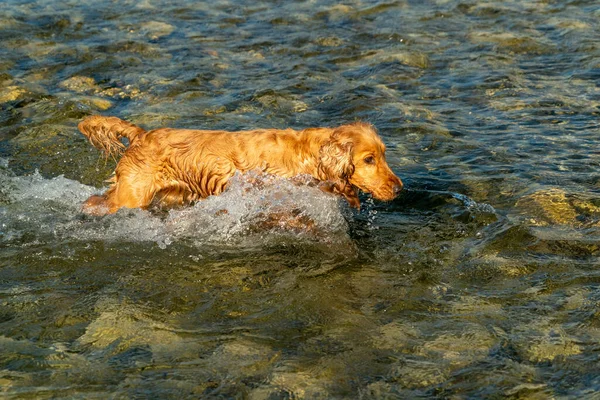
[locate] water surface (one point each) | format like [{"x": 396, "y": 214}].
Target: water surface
[{"x": 480, "y": 281}]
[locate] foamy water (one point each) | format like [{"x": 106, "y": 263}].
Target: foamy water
[{"x": 244, "y": 214}]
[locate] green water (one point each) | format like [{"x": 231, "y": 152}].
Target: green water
[{"x": 481, "y": 280}]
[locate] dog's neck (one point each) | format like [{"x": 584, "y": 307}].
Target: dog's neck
[{"x": 293, "y": 153}]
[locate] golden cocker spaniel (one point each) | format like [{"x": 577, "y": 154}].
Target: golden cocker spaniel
[{"x": 180, "y": 166}]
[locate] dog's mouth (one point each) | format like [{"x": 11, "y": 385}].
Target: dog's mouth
[
  {"x": 384, "y": 196},
  {"x": 385, "y": 193}
]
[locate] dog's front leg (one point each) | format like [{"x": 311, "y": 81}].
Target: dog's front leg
[{"x": 349, "y": 192}]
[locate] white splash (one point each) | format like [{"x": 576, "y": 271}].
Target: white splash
[{"x": 254, "y": 210}]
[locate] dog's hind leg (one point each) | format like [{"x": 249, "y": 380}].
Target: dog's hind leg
[{"x": 132, "y": 188}]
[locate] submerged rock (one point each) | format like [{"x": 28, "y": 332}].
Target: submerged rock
[
  {"x": 408, "y": 58},
  {"x": 126, "y": 327},
  {"x": 155, "y": 29},
  {"x": 20, "y": 91},
  {"x": 557, "y": 207},
  {"x": 125, "y": 92},
  {"x": 87, "y": 85},
  {"x": 243, "y": 358},
  {"x": 511, "y": 42},
  {"x": 475, "y": 307},
  {"x": 569, "y": 24},
  {"x": 329, "y": 41},
  {"x": 546, "y": 345},
  {"x": 5, "y": 79},
  {"x": 412, "y": 59},
  {"x": 11, "y": 93},
  {"x": 485, "y": 267},
  {"x": 96, "y": 102},
  {"x": 336, "y": 12},
  {"x": 461, "y": 349},
  {"x": 394, "y": 336},
  {"x": 300, "y": 385},
  {"x": 281, "y": 103},
  {"x": 413, "y": 374},
  {"x": 80, "y": 84}
]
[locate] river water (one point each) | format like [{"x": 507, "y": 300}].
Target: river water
[{"x": 482, "y": 280}]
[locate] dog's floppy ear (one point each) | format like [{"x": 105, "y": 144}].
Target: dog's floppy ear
[
  {"x": 335, "y": 159},
  {"x": 335, "y": 167}
]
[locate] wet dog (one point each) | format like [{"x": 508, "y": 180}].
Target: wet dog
[{"x": 179, "y": 166}]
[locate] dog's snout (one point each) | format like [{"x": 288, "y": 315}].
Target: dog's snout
[{"x": 397, "y": 188}]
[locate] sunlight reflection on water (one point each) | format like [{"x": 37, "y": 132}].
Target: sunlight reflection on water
[{"x": 480, "y": 280}]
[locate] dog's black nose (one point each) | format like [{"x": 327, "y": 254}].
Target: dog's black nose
[{"x": 398, "y": 188}]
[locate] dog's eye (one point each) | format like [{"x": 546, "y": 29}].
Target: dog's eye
[{"x": 369, "y": 160}]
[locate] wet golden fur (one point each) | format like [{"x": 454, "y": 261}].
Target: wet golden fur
[{"x": 180, "y": 166}]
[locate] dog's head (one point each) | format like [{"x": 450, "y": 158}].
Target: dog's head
[{"x": 354, "y": 156}]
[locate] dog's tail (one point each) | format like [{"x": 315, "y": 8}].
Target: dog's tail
[{"x": 105, "y": 133}]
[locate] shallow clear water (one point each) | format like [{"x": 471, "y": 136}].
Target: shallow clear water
[{"x": 481, "y": 280}]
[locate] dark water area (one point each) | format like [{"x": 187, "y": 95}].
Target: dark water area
[{"x": 482, "y": 280}]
